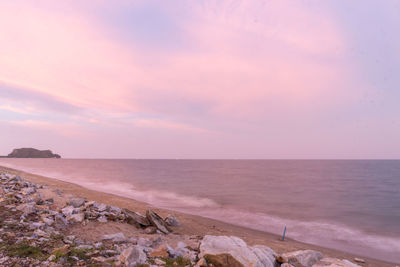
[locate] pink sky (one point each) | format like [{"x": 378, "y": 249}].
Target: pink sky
[{"x": 201, "y": 79}]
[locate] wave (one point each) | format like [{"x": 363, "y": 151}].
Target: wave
[{"x": 326, "y": 234}]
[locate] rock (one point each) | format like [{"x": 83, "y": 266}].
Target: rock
[
  {"x": 144, "y": 242},
  {"x": 135, "y": 218},
  {"x": 161, "y": 251},
  {"x": 223, "y": 260},
  {"x": 77, "y": 202},
  {"x": 35, "y": 225},
  {"x": 157, "y": 221},
  {"x": 201, "y": 263},
  {"x": 332, "y": 262},
  {"x": 78, "y": 218},
  {"x": 60, "y": 222},
  {"x": 102, "y": 219},
  {"x": 182, "y": 251},
  {"x": 238, "y": 250},
  {"x": 115, "y": 210},
  {"x": 28, "y": 208},
  {"x": 48, "y": 221},
  {"x": 102, "y": 207},
  {"x": 38, "y": 199},
  {"x": 118, "y": 237},
  {"x": 84, "y": 247},
  {"x": 150, "y": 230},
  {"x": 68, "y": 210},
  {"x": 58, "y": 192},
  {"x": 171, "y": 220},
  {"x": 280, "y": 259},
  {"x": 98, "y": 245},
  {"x": 159, "y": 262},
  {"x": 359, "y": 260},
  {"x": 52, "y": 258},
  {"x": 28, "y": 190},
  {"x": 132, "y": 256},
  {"x": 75, "y": 258},
  {"x": 99, "y": 259},
  {"x": 302, "y": 258},
  {"x": 41, "y": 233}
]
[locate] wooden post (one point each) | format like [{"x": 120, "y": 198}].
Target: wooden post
[{"x": 284, "y": 233}]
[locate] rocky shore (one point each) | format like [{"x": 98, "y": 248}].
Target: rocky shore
[{"x": 40, "y": 226}]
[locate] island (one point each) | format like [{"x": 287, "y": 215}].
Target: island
[{"x": 31, "y": 153}]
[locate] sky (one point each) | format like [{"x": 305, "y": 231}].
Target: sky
[{"x": 233, "y": 79}]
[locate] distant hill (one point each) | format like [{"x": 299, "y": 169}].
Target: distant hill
[{"x": 32, "y": 153}]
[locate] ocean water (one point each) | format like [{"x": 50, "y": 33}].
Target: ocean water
[{"x": 351, "y": 205}]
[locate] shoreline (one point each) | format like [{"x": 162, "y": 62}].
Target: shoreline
[{"x": 191, "y": 224}]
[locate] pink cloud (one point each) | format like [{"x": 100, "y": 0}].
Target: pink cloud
[{"x": 42, "y": 52}]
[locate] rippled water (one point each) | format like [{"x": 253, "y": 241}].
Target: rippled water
[{"x": 345, "y": 204}]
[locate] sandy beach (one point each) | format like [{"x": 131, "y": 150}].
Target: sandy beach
[{"x": 191, "y": 225}]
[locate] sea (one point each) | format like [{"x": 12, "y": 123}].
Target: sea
[{"x": 349, "y": 205}]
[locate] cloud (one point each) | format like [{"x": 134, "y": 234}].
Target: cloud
[
  {"x": 60, "y": 129},
  {"x": 163, "y": 124},
  {"x": 30, "y": 100}
]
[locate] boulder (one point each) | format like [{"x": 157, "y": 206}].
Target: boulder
[
  {"x": 133, "y": 256},
  {"x": 77, "y": 202},
  {"x": 161, "y": 251},
  {"x": 223, "y": 260},
  {"x": 144, "y": 242},
  {"x": 159, "y": 262},
  {"x": 302, "y": 258},
  {"x": 60, "y": 222},
  {"x": 28, "y": 208},
  {"x": 28, "y": 190},
  {"x": 135, "y": 218},
  {"x": 102, "y": 207},
  {"x": 118, "y": 237},
  {"x": 48, "y": 221},
  {"x": 102, "y": 219},
  {"x": 157, "y": 221},
  {"x": 359, "y": 260},
  {"x": 332, "y": 262},
  {"x": 78, "y": 218},
  {"x": 68, "y": 210},
  {"x": 201, "y": 263},
  {"x": 171, "y": 220},
  {"x": 115, "y": 210},
  {"x": 41, "y": 233},
  {"x": 237, "y": 249},
  {"x": 182, "y": 251}
]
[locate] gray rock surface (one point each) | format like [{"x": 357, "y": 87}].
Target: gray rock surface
[
  {"x": 157, "y": 221},
  {"x": 171, "y": 220},
  {"x": 135, "y": 218},
  {"x": 332, "y": 262},
  {"x": 132, "y": 256},
  {"x": 118, "y": 237},
  {"x": 256, "y": 256},
  {"x": 77, "y": 202},
  {"x": 303, "y": 258}
]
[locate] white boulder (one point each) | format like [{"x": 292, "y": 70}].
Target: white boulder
[{"x": 255, "y": 256}]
